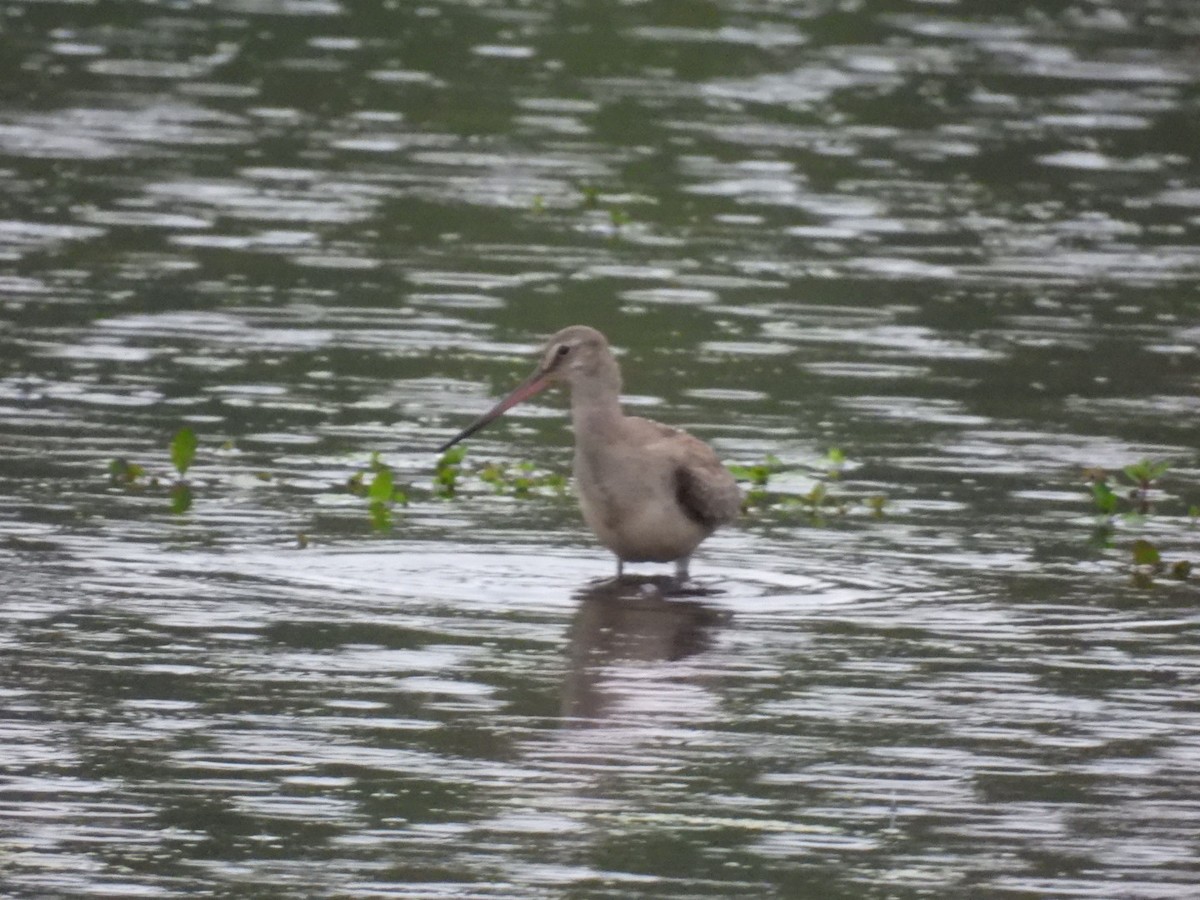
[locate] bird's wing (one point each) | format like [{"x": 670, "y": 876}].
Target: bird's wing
[
  {"x": 704, "y": 488},
  {"x": 707, "y": 493}
]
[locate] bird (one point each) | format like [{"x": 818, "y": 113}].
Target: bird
[{"x": 649, "y": 492}]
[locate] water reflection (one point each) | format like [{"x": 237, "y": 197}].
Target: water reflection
[{"x": 623, "y": 622}]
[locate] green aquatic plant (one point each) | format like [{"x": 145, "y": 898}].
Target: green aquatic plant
[
  {"x": 836, "y": 461},
  {"x": 1132, "y": 504},
  {"x": 452, "y": 475},
  {"x": 591, "y": 196},
  {"x": 134, "y": 476},
  {"x": 183, "y": 451},
  {"x": 819, "y": 500},
  {"x": 181, "y": 497},
  {"x": 521, "y": 479},
  {"x": 447, "y": 472},
  {"x": 451, "y": 478},
  {"x": 121, "y": 471},
  {"x": 1148, "y": 563},
  {"x": 619, "y": 217},
  {"x": 758, "y": 476},
  {"x": 377, "y": 485},
  {"x": 1146, "y": 554},
  {"x": 1143, "y": 475},
  {"x": 1105, "y": 499},
  {"x": 1141, "y": 480}
]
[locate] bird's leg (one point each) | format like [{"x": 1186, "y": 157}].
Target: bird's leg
[
  {"x": 620, "y": 567},
  {"x": 681, "y": 568}
]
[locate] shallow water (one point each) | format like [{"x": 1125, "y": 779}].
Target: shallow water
[{"x": 959, "y": 245}]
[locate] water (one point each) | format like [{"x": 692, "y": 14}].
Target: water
[{"x": 958, "y": 244}]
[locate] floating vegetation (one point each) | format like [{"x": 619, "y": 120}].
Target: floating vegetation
[
  {"x": 123, "y": 472},
  {"x": 452, "y": 476},
  {"x": 591, "y": 196},
  {"x": 377, "y": 484},
  {"x": 447, "y": 471},
  {"x": 1138, "y": 492},
  {"x": 619, "y": 218},
  {"x": 183, "y": 451},
  {"x": 591, "y": 201},
  {"x": 522, "y": 479},
  {"x": 1148, "y": 563},
  {"x": 134, "y": 476},
  {"x": 815, "y": 504},
  {"x": 1132, "y": 503},
  {"x": 757, "y": 475}
]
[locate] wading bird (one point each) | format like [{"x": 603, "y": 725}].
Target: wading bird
[{"x": 650, "y": 493}]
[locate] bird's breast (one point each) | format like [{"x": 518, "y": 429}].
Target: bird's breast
[{"x": 629, "y": 501}]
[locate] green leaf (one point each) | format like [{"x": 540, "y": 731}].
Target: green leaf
[
  {"x": 181, "y": 497},
  {"x": 1106, "y": 501},
  {"x": 183, "y": 449},
  {"x": 121, "y": 471},
  {"x": 756, "y": 497},
  {"x": 1181, "y": 570},
  {"x": 381, "y": 486},
  {"x": 445, "y": 478},
  {"x": 1145, "y": 471},
  {"x": 381, "y": 515},
  {"x": 1145, "y": 553},
  {"x": 835, "y": 456}
]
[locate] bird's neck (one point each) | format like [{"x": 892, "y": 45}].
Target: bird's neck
[{"x": 596, "y": 403}]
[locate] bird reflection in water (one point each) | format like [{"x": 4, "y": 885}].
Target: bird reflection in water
[{"x": 632, "y": 620}]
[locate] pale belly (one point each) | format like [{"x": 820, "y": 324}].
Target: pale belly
[{"x": 636, "y": 513}]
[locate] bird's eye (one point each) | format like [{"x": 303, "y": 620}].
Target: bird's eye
[{"x": 563, "y": 350}]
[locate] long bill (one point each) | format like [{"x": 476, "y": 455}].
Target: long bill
[{"x": 536, "y": 382}]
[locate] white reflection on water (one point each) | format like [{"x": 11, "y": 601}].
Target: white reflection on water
[{"x": 840, "y": 709}]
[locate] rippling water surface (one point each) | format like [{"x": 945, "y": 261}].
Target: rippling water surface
[{"x": 958, "y": 241}]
